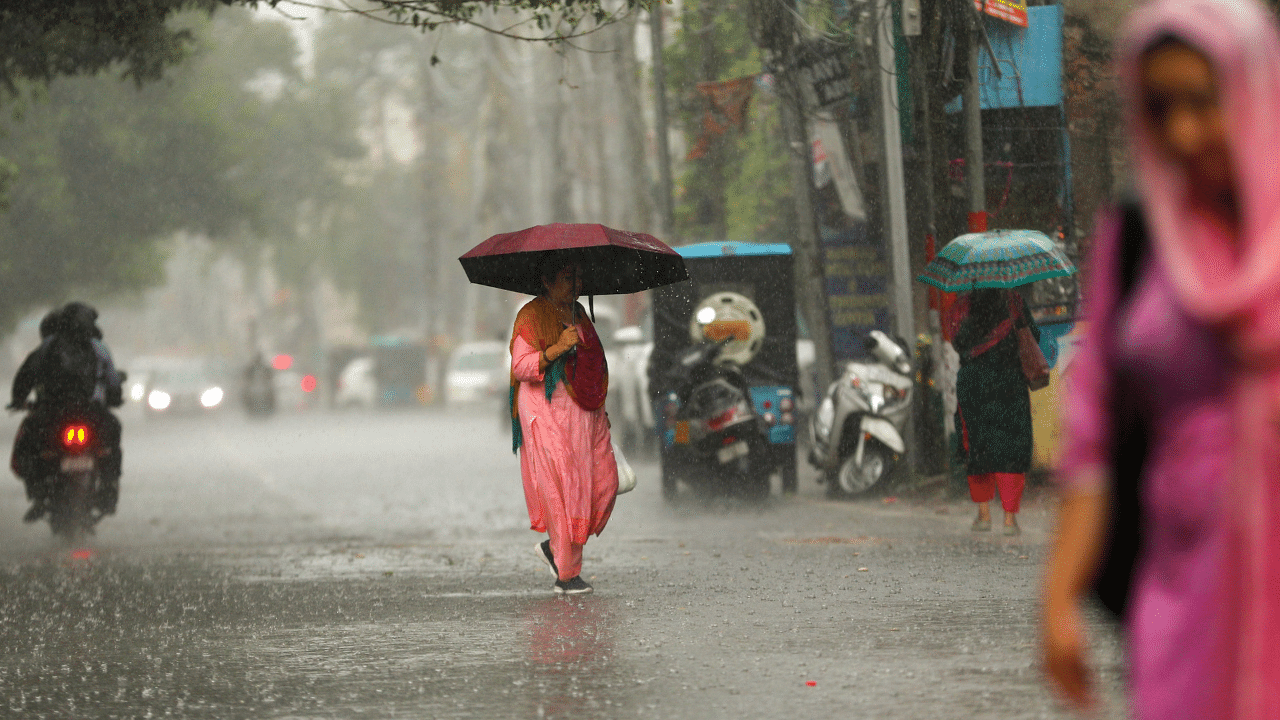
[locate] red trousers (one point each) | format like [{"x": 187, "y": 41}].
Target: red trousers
[{"x": 982, "y": 488}]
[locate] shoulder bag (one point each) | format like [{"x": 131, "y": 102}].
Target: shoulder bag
[{"x": 1034, "y": 365}]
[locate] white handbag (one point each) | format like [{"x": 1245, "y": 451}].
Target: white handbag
[{"x": 626, "y": 476}]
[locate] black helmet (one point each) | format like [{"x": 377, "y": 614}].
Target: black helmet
[
  {"x": 50, "y": 324},
  {"x": 80, "y": 319}
]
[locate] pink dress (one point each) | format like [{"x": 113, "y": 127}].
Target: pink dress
[
  {"x": 566, "y": 462},
  {"x": 1177, "y": 367}
]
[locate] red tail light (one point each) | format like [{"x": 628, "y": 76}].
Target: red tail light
[
  {"x": 722, "y": 419},
  {"x": 75, "y": 436}
]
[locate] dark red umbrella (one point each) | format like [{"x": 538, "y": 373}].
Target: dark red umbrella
[{"x": 614, "y": 262}]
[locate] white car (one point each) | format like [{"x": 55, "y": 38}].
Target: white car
[
  {"x": 357, "y": 385},
  {"x": 477, "y": 372}
]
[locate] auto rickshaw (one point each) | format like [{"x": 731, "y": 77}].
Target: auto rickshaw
[{"x": 723, "y": 373}]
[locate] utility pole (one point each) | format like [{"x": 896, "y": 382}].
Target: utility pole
[
  {"x": 895, "y": 182},
  {"x": 974, "y": 162},
  {"x": 666, "y": 202}
]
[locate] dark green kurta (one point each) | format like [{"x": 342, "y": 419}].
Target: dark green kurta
[{"x": 994, "y": 404}]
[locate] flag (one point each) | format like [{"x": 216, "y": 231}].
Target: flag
[{"x": 727, "y": 103}]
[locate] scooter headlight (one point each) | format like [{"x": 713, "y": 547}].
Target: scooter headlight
[{"x": 877, "y": 402}]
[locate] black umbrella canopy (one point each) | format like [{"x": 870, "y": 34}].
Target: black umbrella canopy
[{"x": 613, "y": 262}]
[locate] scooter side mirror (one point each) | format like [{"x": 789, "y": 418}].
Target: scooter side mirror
[{"x": 888, "y": 352}]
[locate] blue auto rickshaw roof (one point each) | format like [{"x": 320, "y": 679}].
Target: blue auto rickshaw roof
[{"x": 729, "y": 249}]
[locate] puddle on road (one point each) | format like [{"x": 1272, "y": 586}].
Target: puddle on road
[{"x": 519, "y": 657}]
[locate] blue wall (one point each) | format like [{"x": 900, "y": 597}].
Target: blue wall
[{"x": 1031, "y": 60}]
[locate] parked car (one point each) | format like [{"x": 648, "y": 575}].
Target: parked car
[
  {"x": 357, "y": 384},
  {"x": 477, "y": 373},
  {"x": 632, "y": 413}
]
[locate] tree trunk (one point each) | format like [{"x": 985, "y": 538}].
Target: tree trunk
[
  {"x": 712, "y": 215},
  {"x": 810, "y": 283},
  {"x": 774, "y": 27}
]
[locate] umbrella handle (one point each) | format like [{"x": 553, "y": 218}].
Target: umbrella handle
[{"x": 573, "y": 350}]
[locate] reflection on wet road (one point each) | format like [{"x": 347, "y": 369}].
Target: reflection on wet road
[{"x": 377, "y": 566}]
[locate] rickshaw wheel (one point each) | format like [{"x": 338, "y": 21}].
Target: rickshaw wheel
[{"x": 790, "y": 481}]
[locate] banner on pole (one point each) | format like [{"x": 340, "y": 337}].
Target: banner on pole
[
  {"x": 1014, "y": 11},
  {"x": 831, "y": 164}
]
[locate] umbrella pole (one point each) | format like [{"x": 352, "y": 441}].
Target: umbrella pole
[{"x": 591, "y": 308}]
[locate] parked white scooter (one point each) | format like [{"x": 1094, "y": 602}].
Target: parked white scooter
[{"x": 857, "y": 429}]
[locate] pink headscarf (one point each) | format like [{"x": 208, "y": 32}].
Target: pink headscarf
[{"x": 1232, "y": 284}]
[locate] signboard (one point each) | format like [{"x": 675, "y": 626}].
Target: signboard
[
  {"x": 824, "y": 73},
  {"x": 1014, "y": 11},
  {"x": 856, "y": 275}
]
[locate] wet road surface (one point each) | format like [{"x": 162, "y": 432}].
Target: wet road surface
[{"x": 380, "y": 566}]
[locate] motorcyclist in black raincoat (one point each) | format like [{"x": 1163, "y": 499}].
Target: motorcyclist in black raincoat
[{"x": 71, "y": 367}]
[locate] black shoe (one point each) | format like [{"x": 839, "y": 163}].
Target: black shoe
[
  {"x": 36, "y": 512},
  {"x": 573, "y": 586},
  {"x": 544, "y": 551}
]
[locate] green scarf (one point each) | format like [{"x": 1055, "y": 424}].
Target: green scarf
[{"x": 554, "y": 373}]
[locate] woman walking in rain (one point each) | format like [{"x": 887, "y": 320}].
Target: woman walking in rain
[
  {"x": 558, "y": 385},
  {"x": 1176, "y": 393},
  {"x": 994, "y": 413}
]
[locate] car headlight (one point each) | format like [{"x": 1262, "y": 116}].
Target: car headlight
[
  {"x": 211, "y": 397},
  {"x": 137, "y": 392},
  {"x": 159, "y": 400}
]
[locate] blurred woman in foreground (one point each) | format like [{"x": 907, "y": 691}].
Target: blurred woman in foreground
[{"x": 1184, "y": 342}]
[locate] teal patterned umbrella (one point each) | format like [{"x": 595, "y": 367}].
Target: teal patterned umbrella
[{"x": 996, "y": 259}]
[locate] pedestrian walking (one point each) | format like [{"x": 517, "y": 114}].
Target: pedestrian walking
[
  {"x": 994, "y": 403},
  {"x": 559, "y": 380},
  {"x": 1175, "y": 397}
]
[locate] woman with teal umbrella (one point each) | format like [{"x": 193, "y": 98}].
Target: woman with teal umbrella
[
  {"x": 994, "y": 404},
  {"x": 993, "y": 413}
]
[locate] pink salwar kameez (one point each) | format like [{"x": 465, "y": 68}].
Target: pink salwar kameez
[
  {"x": 1199, "y": 338},
  {"x": 566, "y": 462}
]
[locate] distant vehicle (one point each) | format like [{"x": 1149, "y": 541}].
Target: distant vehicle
[
  {"x": 631, "y": 418},
  {"x": 477, "y": 372},
  {"x": 258, "y": 392},
  {"x": 357, "y": 384},
  {"x": 184, "y": 386}
]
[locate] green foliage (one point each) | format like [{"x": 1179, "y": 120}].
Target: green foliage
[
  {"x": 756, "y": 189},
  {"x": 539, "y": 20},
  {"x": 105, "y": 169},
  {"x": 44, "y": 39}
]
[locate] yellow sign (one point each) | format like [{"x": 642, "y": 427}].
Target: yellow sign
[
  {"x": 1014, "y": 11},
  {"x": 718, "y": 330}
]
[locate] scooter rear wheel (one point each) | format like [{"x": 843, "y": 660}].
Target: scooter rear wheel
[{"x": 70, "y": 516}]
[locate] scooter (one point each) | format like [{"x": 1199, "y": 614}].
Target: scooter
[
  {"x": 717, "y": 433},
  {"x": 857, "y": 429},
  {"x": 73, "y": 452}
]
